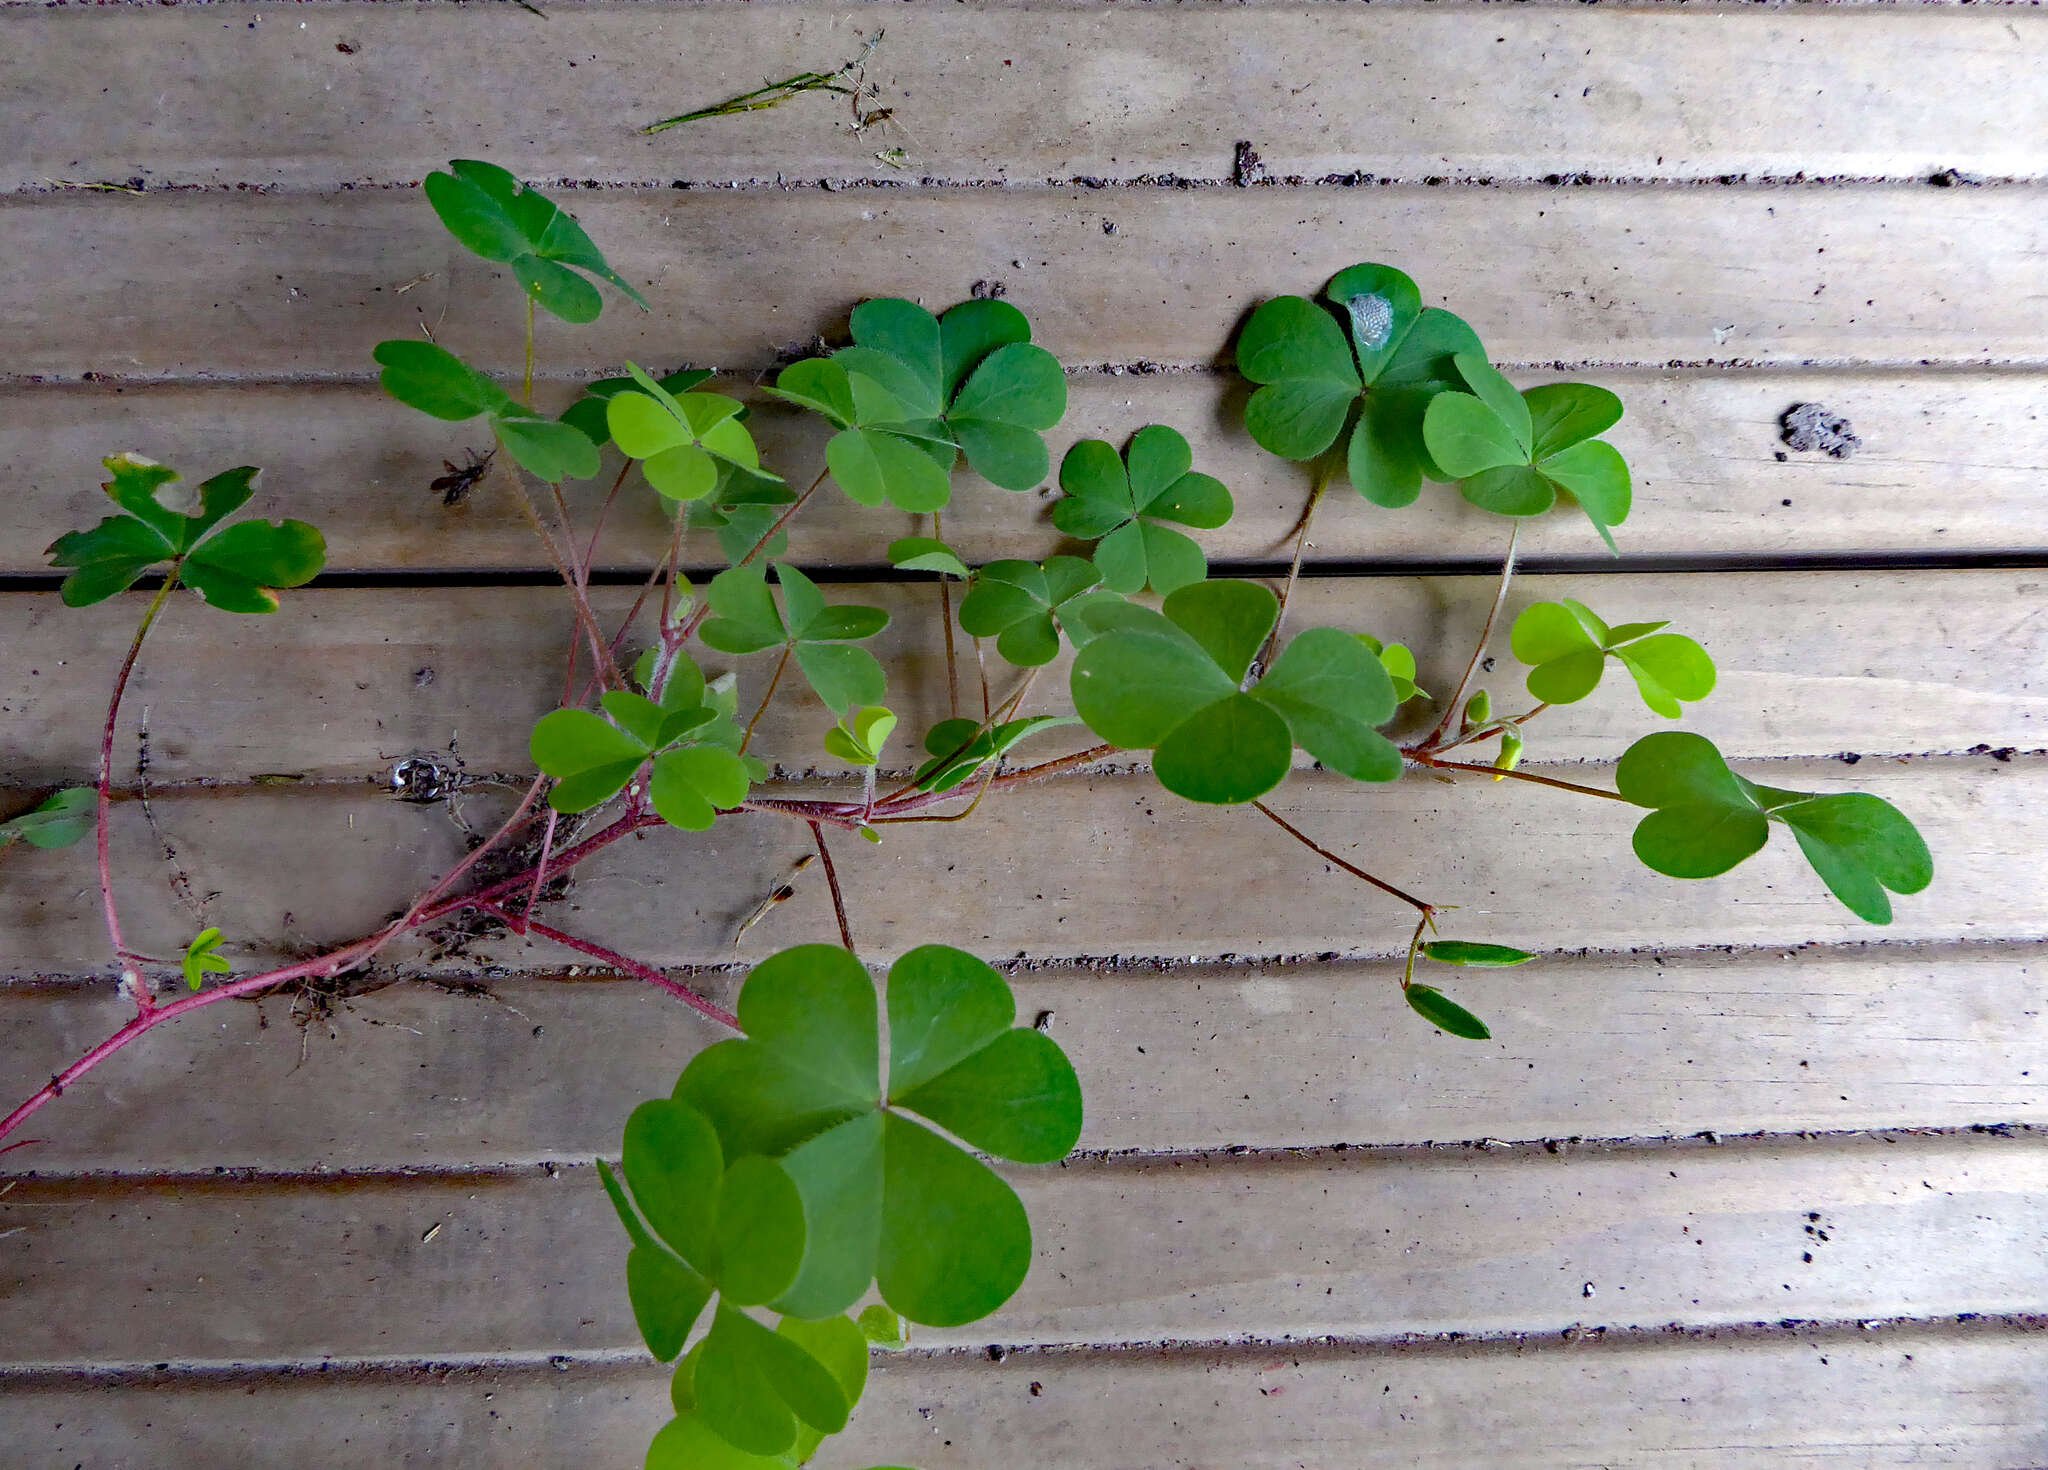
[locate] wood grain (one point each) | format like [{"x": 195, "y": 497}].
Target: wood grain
[
  {"x": 240, "y": 284},
  {"x": 1154, "y": 1253},
  {"x": 1265, "y": 1056},
  {"x": 320, "y": 96},
  {"x": 1951, "y": 462},
  {"x": 1844, "y": 1402},
  {"x": 1086, "y": 867}
]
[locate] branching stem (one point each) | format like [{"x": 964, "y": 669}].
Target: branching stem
[
  {"x": 616, "y": 961},
  {"x": 1427, "y": 909}
]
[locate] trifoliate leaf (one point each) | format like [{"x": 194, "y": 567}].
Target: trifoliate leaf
[
  {"x": 491, "y": 214},
  {"x": 1169, "y": 681},
  {"x": 1125, "y": 502},
  {"x": 1569, "y": 645},
  {"x": 202, "y": 958},
  {"x": 859, "y": 741},
  {"x": 588, "y": 412},
  {"x": 1515, "y": 454},
  {"x": 1381, "y": 381},
  {"x": 236, "y": 569},
  {"x": 1024, "y": 605},
  {"x": 886, "y": 1198}
]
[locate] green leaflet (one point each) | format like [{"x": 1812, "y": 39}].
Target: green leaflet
[
  {"x": 914, "y": 393},
  {"x": 924, "y": 554},
  {"x": 238, "y": 569},
  {"x": 1375, "y": 364},
  {"x": 689, "y": 736},
  {"x": 60, "y": 820},
  {"x": 733, "y": 1228},
  {"x": 1169, "y": 681},
  {"x": 689, "y": 445},
  {"x": 859, "y": 740},
  {"x": 588, "y": 413},
  {"x": 1478, "y": 956},
  {"x": 888, "y": 1200},
  {"x": 1025, "y": 606},
  {"x": 430, "y": 378},
  {"x": 1569, "y": 645},
  {"x": 1399, "y": 662},
  {"x": 1445, "y": 1014},
  {"x": 1124, "y": 505},
  {"x": 202, "y": 958},
  {"x": 960, "y": 748},
  {"x": 493, "y": 215},
  {"x": 819, "y": 635},
  {"x": 1513, "y": 454},
  {"x": 1705, "y": 819}
]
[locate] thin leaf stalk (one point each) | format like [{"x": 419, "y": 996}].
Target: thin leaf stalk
[{"x": 131, "y": 978}]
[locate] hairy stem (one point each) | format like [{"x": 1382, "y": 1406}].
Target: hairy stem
[
  {"x": 832, "y": 882},
  {"x": 526, "y": 394},
  {"x": 1500, "y": 598},
  {"x": 131, "y": 978},
  {"x": 616, "y": 961},
  {"x": 1529, "y": 776},
  {"x": 1352, "y": 868},
  {"x": 762, "y": 709},
  {"x": 1300, "y": 533}
]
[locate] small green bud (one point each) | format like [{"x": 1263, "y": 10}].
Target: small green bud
[
  {"x": 1510, "y": 751},
  {"x": 1478, "y": 709}
]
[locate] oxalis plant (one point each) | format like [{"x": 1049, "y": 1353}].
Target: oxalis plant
[{"x": 799, "y": 1199}]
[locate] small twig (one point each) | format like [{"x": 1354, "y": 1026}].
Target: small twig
[
  {"x": 832, "y": 882},
  {"x": 131, "y": 978},
  {"x": 772, "y": 94},
  {"x": 762, "y": 709},
  {"x": 1352, "y": 868},
  {"x": 618, "y": 961},
  {"x": 540, "y": 872},
  {"x": 1457, "y": 700},
  {"x": 1427, "y": 921},
  {"x": 1529, "y": 776},
  {"x": 1300, "y": 534}
]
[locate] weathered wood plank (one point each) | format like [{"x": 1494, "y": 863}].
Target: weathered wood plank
[
  {"x": 1951, "y": 462},
  {"x": 344, "y": 683},
  {"x": 208, "y": 284},
  {"x": 1104, "y": 866},
  {"x": 1263, "y": 1056},
  {"x": 1242, "y": 1250},
  {"x": 320, "y": 96},
  {"x": 1905, "y": 1397}
]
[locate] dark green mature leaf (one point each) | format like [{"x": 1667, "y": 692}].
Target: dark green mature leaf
[
  {"x": 819, "y": 634},
  {"x": 1477, "y": 956},
  {"x": 1125, "y": 502},
  {"x": 961, "y": 747},
  {"x": 1446, "y": 1014},
  {"x": 1024, "y": 605},
  {"x": 1706, "y": 819},
  {"x": 914, "y": 392},
  {"x": 430, "y": 378},
  {"x": 61, "y": 819},
  {"x": 886, "y": 1198},
  {"x": 491, "y": 214},
  {"x": 549, "y": 448},
  {"x": 1569, "y": 645},
  {"x": 234, "y": 569},
  {"x": 1381, "y": 382},
  {"x": 698, "y": 771},
  {"x": 1169, "y": 681}
]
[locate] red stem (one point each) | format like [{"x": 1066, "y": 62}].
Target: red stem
[
  {"x": 618, "y": 962},
  {"x": 832, "y": 882}
]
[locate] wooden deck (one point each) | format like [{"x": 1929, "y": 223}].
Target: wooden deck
[{"x": 1740, "y": 1182}]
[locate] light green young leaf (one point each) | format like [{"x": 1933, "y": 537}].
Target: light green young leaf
[
  {"x": 202, "y": 958},
  {"x": 1569, "y": 645},
  {"x": 924, "y": 554}
]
